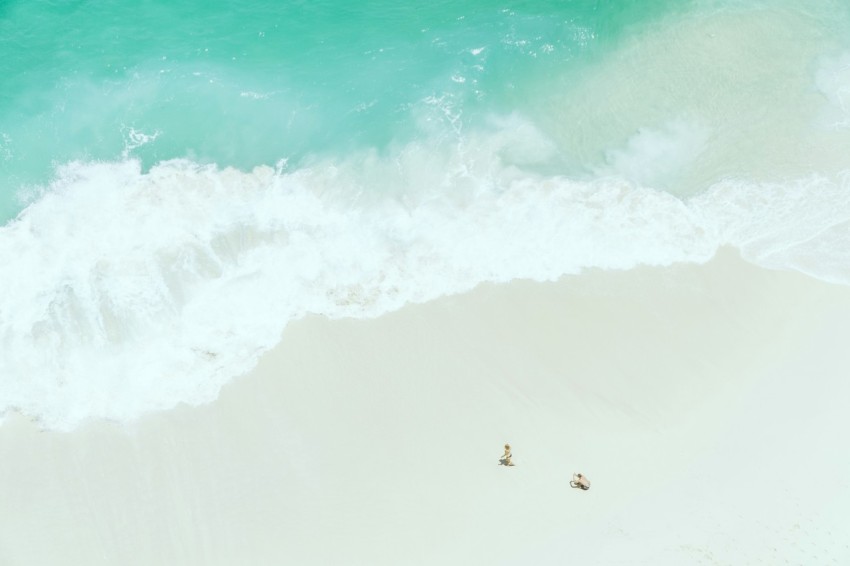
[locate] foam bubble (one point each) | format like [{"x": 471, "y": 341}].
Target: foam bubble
[{"x": 134, "y": 138}]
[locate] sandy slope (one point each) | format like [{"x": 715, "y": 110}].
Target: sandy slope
[{"x": 707, "y": 404}]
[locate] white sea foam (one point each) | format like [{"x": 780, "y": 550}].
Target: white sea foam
[
  {"x": 129, "y": 291},
  {"x": 255, "y": 95},
  {"x": 134, "y": 138},
  {"x": 802, "y": 225},
  {"x": 655, "y": 157}
]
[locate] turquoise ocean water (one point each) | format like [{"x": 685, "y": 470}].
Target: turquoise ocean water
[{"x": 180, "y": 180}]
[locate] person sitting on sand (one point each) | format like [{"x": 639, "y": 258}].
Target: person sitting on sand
[
  {"x": 505, "y": 460},
  {"x": 580, "y": 482}
]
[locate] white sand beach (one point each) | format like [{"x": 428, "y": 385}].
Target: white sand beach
[{"x": 708, "y": 406}]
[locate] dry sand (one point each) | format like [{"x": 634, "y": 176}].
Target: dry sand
[{"x": 708, "y": 405}]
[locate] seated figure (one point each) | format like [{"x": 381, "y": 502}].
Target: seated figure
[
  {"x": 580, "y": 482},
  {"x": 505, "y": 460}
]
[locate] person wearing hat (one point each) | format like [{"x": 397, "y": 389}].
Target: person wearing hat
[{"x": 505, "y": 460}]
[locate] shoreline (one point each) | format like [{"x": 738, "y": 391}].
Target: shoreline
[{"x": 376, "y": 441}]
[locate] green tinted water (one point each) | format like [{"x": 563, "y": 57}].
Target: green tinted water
[{"x": 254, "y": 82}]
